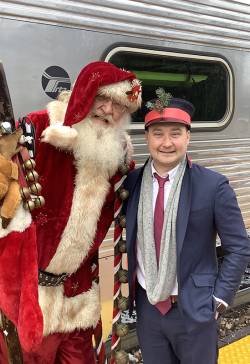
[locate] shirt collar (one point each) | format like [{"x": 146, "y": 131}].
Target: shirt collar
[{"x": 171, "y": 173}]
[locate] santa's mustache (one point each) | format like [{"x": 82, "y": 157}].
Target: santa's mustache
[{"x": 107, "y": 118}]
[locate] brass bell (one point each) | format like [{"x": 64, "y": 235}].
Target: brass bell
[
  {"x": 29, "y": 205},
  {"x": 25, "y": 193},
  {"x": 121, "y": 357},
  {"x": 123, "y": 194},
  {"x": 122, "y": 221},
  {"x": 29, "y": 164},
  {"x": 122, "y": 246},
  {"x": 35, "y": 188},
  {"x": 122, "y": 303},
  {"x": 123, "y": 275},
  {"x": 39, "y": 201},
  {"x": 122, "y": 329},
  {"x": 123, "y": 169},
  {"x": 32, "y": 176}
]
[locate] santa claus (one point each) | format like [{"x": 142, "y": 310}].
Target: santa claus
[{"x": 81, "y": 145}]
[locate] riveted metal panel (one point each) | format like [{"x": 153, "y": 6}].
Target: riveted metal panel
[{"x": 222, "y": 23}]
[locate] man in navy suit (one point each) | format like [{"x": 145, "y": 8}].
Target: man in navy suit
[{"x": 173, "y": 215}]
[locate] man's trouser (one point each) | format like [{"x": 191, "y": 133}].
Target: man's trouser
[
  {"x": 69, "y": 348},
  {"x": 164, "y": 339}
]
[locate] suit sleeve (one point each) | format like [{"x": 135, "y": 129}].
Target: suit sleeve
[{"x": 234, "y": 241}]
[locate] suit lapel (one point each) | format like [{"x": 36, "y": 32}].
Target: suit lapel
[{"x": 183, "y": 209}]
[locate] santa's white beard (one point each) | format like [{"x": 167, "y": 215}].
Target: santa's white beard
[{"x": 99, "y": 147}]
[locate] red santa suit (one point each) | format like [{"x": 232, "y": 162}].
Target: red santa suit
[{"x": 79, "y": 208}]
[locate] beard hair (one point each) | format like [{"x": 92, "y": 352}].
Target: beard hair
[{"x": 100, "y": 147}]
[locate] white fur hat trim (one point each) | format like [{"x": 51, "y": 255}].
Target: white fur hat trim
[{"x": 118, "y": 92}]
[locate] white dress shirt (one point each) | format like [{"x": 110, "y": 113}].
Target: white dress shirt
[{"x": 167, "y": 187}]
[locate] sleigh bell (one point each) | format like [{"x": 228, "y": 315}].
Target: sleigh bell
[
  {"x": 123, "y": 169},
  {"x": 122, "y": 221},
  {"x": 122, "y": 329},
  {"x": 122, "y": 303},
  {"x": 25, "y": 193},
  {"x": 35, "y": 188},
  {"x": 123, "y": 194},
  {"x": 39, "y": 201},
  {"x": 32, "y": 176},
  {"x": 122, "y": 246},
  {"x": 121, "y": 357},
  {"x": 29, "y": 164},
  {"x": 123, "y": 275},
  {"x": 29, "y": 205},
  {"x": 31, "y": 193}
]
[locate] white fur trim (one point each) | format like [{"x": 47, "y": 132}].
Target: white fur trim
[
  {"x": 117, "y": 91},
  {"x": 65, "y": 314},
  {"x": 129, "y": 147},
  {"x": 57, "y": 109},
  {"x": 20, "y": 222},
  {"x": 60, "y": 136},
  {"x": 89, "y": 196}
]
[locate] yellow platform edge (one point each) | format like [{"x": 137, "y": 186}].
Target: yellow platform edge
[{"x": 236, "y": 353}]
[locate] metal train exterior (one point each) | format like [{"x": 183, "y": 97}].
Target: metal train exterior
[{"x": 196, "y": 49}]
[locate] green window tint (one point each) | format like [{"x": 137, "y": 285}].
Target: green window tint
[{"x": 204, "y": 82}]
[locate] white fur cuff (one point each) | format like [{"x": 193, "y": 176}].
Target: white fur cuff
[
  {"x": 20, "y": 222},
  {"x": 60, "y": 136}
]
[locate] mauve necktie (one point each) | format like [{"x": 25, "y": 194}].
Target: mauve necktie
[{"x": 163, "y": 306}]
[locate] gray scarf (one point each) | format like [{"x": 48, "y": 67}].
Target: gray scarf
[{"x": 159, "y": 281}]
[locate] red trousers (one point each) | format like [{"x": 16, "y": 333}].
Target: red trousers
[{"x": 70, "y": 348}]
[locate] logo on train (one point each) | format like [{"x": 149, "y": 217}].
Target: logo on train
[{"x": 54, "y": 80}]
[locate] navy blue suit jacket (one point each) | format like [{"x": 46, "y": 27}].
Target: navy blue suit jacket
[{"x": 207, "y": 206}]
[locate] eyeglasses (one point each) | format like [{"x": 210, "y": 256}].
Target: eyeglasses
[{"x": 117, "y": 107}]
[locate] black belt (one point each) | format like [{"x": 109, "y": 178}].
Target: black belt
[{"x": 51, "y": 280}]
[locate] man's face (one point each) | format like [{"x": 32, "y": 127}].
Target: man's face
[
  {"x": 107, "y": 112},
  {"x": 167, "y": 143}
]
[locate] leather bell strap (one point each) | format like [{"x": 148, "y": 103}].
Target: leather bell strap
[{"x": 19, "y": 159}]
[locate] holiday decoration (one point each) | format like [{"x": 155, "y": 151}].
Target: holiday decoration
[
  {"x": 120, "y": 275},
  {"x": 162, "y": 100}
]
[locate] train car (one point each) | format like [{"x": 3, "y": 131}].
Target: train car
[{"x": 198, "y": 49}]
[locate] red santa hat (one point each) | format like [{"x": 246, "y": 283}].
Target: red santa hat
[
  {"x": 104, "y": 79},
  {"x": 96, "y": 79}
]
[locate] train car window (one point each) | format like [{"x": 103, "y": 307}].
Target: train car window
[{"x": 205, "y": 81}]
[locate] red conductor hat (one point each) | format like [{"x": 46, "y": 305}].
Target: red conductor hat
[{"x": 168, "y": 109}]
